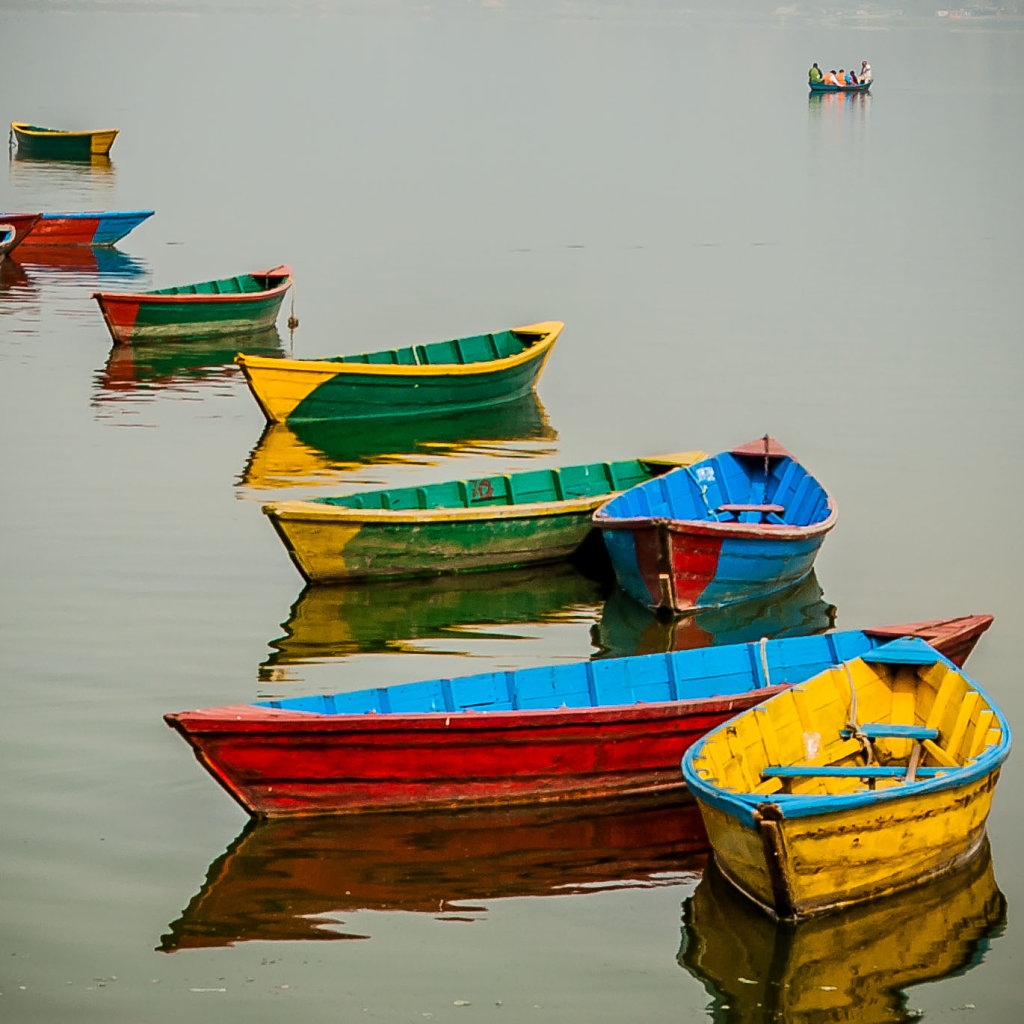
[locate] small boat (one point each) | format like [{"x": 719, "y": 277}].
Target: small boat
[
  {"x": 8, "y": 239},
  {"x": 491, "y": 522},
  {"x": 102, "y": 228},
  {"x": 418, "y": 380},
  {"x": 248, "y": 302},
  {"x": 865, "y": 780},
  {"x": 822, "y": 87},
  {"x": 22, "y": 224},
  {"x": 847, "y": 968},
  {"x": 569, "y": 731},
  {"x": 56, "y": 144},
  {"x": 297, "y": 879},
  {"x": 737, "y": 526}
]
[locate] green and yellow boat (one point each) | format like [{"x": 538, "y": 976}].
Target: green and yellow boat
[
  {"x": 417, "y": 380},
  {"x": 56, "y": 144},
  {"x": 492, "y": 522}
]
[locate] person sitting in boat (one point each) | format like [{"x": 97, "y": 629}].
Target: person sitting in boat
[
  {"x": 843, "y": 78},
  {"x": 865, "y": 71},
  {"x": 814, "y": 76},
  {"x": 830, "y": 78}
]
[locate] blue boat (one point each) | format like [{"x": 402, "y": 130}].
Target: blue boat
[{"x": 737, "y": 526}]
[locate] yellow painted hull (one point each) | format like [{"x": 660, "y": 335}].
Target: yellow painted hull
[
  {"x": 322, "y": 389},
  {"x": 825, "y": 862}
]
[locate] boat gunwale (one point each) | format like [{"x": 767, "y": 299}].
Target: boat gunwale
[
  {"x": 38, "y": 131},
  {"x": 152, "y": 298},
  {"x": 743, "y": 806},
  {"x": 339, "y": 367},
  {"x": 776, "y": 531}
]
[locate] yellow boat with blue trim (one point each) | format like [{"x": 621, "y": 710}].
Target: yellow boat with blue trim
[
  {"x": 865, "y": 780},
  {"x": 475, "y": 372}
]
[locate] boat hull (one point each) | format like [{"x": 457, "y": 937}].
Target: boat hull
[
  {"x": 821, "y": 87},
  {"x": 829, "y": 861},
  {"x": 55, "y": 229},
  {"x": 51, "y": 144},
  {"x": 591, "y": 730},
  {"x": 298, "y": 389},
  {"x": 144, "y": 316},
  {"x": 665, "y": 564},
  {"x": 327, "y": 547},
  {"x": 22, "y": 223}
]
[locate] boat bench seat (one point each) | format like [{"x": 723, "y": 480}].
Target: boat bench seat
[
  {"x": 792, "y": 771},
  {"x": 753, "y": 513},
  {"x": 777, "y": 509},
  {"x": 887, "y": 730}
]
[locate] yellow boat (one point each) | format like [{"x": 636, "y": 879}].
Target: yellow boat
[
  {"x": 58, "y": 144},
  {"x": 863, "y": 781}
]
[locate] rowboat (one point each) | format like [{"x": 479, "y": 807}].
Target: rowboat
[
  {"x": 8, "y": 238},
  {"x": 56, "y": 144},
  {"x": 102, "y": 228},
  {"x": 846, "y": 968},
  {"x": 436, "y": 379},
  {"x": 867, "y": 779},
  {"x": 230, "y": 305},
  {"x": 297, "y": 879},
  {"x": 491, "y": 522},
  {"x": 570, "y": 731},
  {"x": 734, "y": 527},
  {"x": 22, "y": 224},
  {"x": 822, "y": 87}
]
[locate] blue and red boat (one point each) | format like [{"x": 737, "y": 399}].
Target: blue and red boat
[
  {"x": 737, "y": 526},
  {"x": 102, "y": 228}
]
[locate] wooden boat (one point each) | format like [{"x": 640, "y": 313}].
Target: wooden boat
[
  {"x": 290, "y": 879},
  {"x": 585, "y": 730},
  {"x": 94, "y": 228},
  {"x": 22, "y": 223},
  {"x": 822, "y": 87},
  {"x": 418, "y": 380},
  {"x": 248, "y": 302},
  {"x": 864, "y": 780},
  {"x": 56, "y": 144},
  {"x": 8, "y": 239},
  {"x": 491, "y": 522},
  {"x": 734, "y": 527},
  {"x": 846, "y": 968}
]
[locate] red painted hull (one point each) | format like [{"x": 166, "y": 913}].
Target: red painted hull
[
  {"x": 22, "y": 223},
  {"x": 281, "y": 762}
]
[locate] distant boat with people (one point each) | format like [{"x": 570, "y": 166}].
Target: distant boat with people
[{"x": 841, "y": 80}]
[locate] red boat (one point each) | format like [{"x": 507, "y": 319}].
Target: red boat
[
  {"x": 585, "y": 730},
  {"x": 22, "y": 224},
  {"x": 103, "y": 228}
]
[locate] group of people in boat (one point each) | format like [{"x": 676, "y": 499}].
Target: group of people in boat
[{"x": 840, "y": 78}]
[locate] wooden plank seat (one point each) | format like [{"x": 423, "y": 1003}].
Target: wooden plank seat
[
  {"x": 792, "y": 771},
  {"x": 887, "y": 730},
  {"x": 777, "y": 509}
]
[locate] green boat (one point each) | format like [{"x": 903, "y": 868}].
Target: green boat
[
  {"x": 443, "y": 377},
  {"x": 492, "y": 522},
  {"x": 57, "y": 144}
]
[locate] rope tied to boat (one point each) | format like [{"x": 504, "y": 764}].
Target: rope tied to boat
[
  {"x": 851, "y": 725},
  {"x": 764, "y": 661}
]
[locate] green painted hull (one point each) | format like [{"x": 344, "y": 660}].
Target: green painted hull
[
  {"x": 55, "y": 147},
  {"x": 166, "y": 320},
  {"x": 355, "y": 396}
]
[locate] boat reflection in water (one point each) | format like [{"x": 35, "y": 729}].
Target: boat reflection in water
[
  {"x": 393, "y": 616},
  {"x": 91, "y": 263},
  {"x": 291, "y": 879},
  {"x": 143, "y": 367},
  {"x": 301, "y": 452},
  {"x": 852, "y": 966},
  {"x": 627, "y": 628}
]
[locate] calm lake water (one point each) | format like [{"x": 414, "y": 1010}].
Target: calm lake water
[{"x": 730, "y": 256}]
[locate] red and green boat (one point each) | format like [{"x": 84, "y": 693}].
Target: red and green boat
[
  {"x": 475, "y": 372},
  {"x": 229, "y": 305}
]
